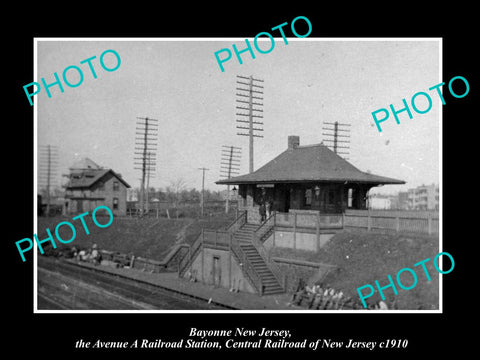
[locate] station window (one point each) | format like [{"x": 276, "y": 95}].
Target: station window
[
  {"x": 115, "y": 203},
  {"x": 350, "y": 198},
  {"x": 308, "y": 196},
  {"x": 116, "y": 186}
]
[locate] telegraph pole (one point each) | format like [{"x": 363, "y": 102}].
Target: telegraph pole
[
  {"x": 333, "y": 137},
  {"x": 229, "y": 165},
  {"x": 248, "y": 89},
  {"x": 145, "y": 146},
  {"x": 48, "y": 156},
  {"x": 202, "y": 200},
  {"x": 149, "y": 154}
]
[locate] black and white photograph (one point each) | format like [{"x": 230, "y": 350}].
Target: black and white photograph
[
  {"x": 220, "y": 185},
  {"x": 266, "y": 186}
]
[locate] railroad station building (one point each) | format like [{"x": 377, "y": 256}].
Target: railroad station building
[
  {"x": 90, "y": 185},
  {"x": 306, "y": 179},
  {"x": 310, "y": 189}
]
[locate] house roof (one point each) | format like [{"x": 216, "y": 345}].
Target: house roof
[
  {"x": 85, "y": 164},
  {"x": 89, "y": 177},
  {"x": 308, "y": 163}
]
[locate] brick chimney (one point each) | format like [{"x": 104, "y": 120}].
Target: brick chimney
[{"x": 293, "y": 141}]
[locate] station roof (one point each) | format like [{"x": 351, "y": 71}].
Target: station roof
[{"x": 311, "y": 163}]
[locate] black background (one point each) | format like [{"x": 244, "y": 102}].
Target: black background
[{"x": 56, "y": 334}]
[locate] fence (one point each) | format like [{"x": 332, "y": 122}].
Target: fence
[
  {"x": 312, "y": 220},
  {"x": 409, "y": 221},
  {"x": 216, "y": 238},
  {"x": 182, "y": 209}
]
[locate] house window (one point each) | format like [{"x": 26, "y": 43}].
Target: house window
[
  {"x": 350, "y": 198},
  {"x": 115, "y": 203},
  {"x": 308, "y": 197},
  {"x": 116, "y": 186}
]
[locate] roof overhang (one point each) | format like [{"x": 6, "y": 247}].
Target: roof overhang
[
  {"x": 234, "y": 181},
  {"x": 309, "y": 164}
]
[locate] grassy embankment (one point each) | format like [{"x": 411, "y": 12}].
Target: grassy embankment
[
  {"x": 146, "y": 237},
  {"x": 361, "y": 257}
]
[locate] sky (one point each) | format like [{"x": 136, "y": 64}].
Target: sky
[{"x": 178, "y": 82}]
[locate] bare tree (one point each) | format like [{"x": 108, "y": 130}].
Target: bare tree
[{"x": 176, "y": 188}]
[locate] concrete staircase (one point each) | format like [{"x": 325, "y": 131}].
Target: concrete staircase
[{"x": 244, "y": 237}]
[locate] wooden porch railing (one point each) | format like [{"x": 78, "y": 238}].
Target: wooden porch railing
[
  {"x": 409, "y": 221},
  {"x": 314, "y": 220}
]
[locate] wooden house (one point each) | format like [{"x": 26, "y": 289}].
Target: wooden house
[{"x": 90, "y": 186}]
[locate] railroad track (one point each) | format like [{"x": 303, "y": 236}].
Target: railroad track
[{"x": 64, "y": 285}]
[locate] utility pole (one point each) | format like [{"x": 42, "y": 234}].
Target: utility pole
[
  {"x": 229, "y": 165},
  {"x": 48, "y": 156},
  {"x": 202, "y": 200},
  {"x": 248, "y": 89},
  {"x": 148, "y": 170},
  {"x": 333, "y": 137},
  {"x": 145, "y": 146}
]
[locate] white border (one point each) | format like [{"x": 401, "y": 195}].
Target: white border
[
  {"x": 35, "y": 177},
  {"x": 299, "y": 312}
]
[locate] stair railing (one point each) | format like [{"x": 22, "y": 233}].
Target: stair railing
[
  {"x": 274, "y": 268},
  {"x": 190, "y": 255},
  {"x": 262, "y": 232},
  {"x": 236, "y": 224},
  {"x": 259, "y": 237},
  {"x": 251, "y": 274},
  {"x": 247, "y": 268}
]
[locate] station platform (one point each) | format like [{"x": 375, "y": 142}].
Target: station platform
[{"x": 218, "y": 295}]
